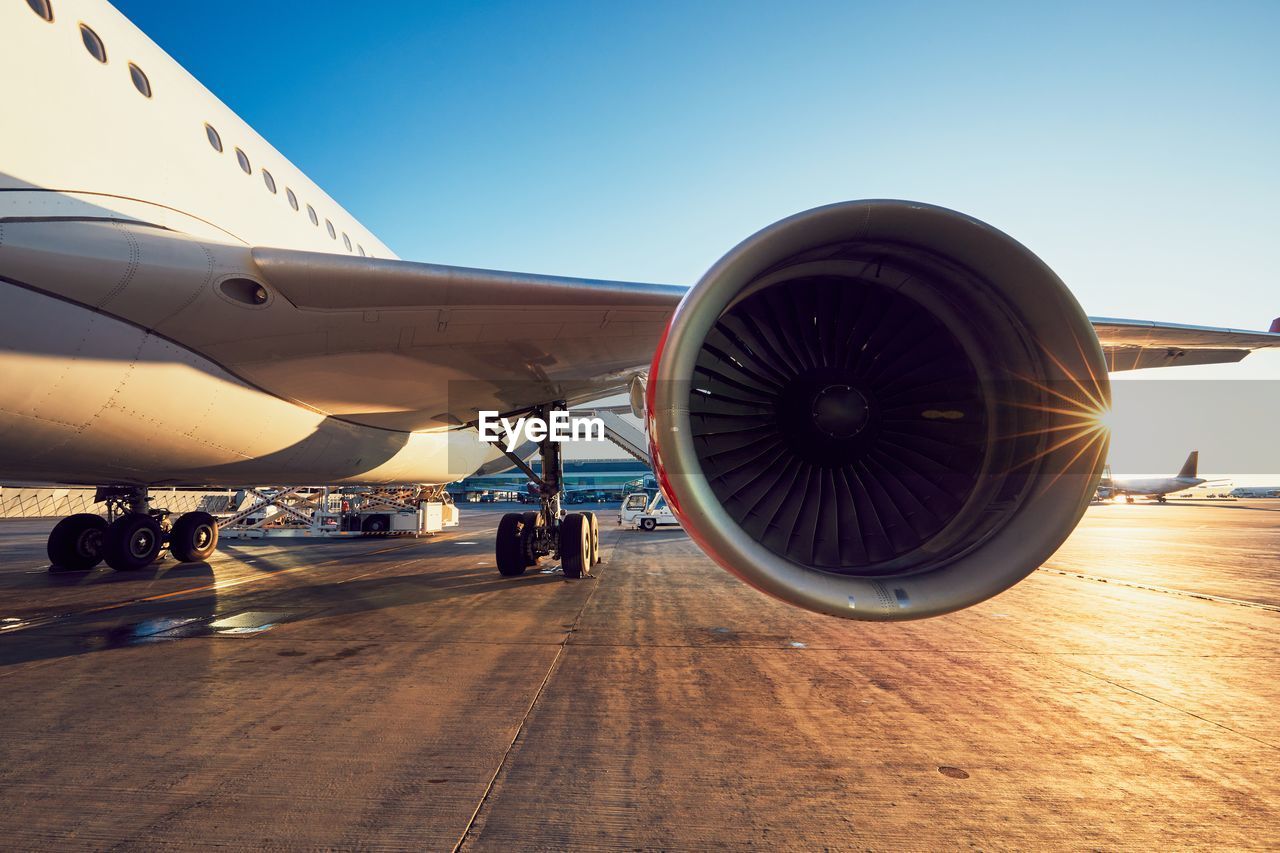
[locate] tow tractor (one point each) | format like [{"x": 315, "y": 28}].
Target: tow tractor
[{"x": 646, "y": 511}]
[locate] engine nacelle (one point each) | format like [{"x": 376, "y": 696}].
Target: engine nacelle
[{"x": 879, "y": 410}]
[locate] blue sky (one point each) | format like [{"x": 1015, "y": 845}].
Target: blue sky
[{"x": 1133, "y": 146}]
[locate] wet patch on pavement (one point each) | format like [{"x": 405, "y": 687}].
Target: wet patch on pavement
[{"x": 166, "y": 629}]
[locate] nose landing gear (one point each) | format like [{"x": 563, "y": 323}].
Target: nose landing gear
[{"x": 525, "y": 538}]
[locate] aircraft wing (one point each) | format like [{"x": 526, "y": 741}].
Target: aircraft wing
[
  {"x": 323, "y": 281},
  {"x": 370, "y": 327},
  {"x": 368, "y": 331},
  {"x": 1134, "y": 344}
]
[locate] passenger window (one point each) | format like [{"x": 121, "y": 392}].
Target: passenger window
[
  {"x": 332, "y": 234},
  {"x": 346, "y": 241},
  {"x": 214, "y": 139},
  {"x": 42, "y": 8},
  {"x": 93, "y": 44},
  {"x": 361, "y": 248},
  {"x": 293, "y": 199},
  {"x": 244, "y": 162},
  {"x": 268, "y": 180},
  {"x": 140, "y": 81},
  {"x": 311, "y": 211}
]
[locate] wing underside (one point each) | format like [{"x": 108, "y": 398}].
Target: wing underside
[
  {"x": 1135, "y": 344},
  {"x": 411, "y": 346}
]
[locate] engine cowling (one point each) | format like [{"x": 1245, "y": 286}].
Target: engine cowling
[{"x": 879, "y": 410}]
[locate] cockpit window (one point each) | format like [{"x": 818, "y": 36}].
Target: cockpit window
[
  {"x": 93, "y": 44},
  {"x": 214, "y": 139},
  {"x": 293, "y": 199},
  {"x": 243, "y": 158},
  {"x": 268, "y": 180},
  {"x": 41, "y": 8},
  {"x": 140, "y": 81}
]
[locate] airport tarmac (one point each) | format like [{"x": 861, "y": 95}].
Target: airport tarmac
[{"x": 398, "y": 694}]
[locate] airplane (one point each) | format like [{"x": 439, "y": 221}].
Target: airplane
[
  {"x": 876, "y": 409},
  {"x": 1255, "y": 492},
  {"x": 1156, "y": 487}
]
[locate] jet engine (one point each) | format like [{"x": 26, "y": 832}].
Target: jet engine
[{"x": 879, "y": 410}]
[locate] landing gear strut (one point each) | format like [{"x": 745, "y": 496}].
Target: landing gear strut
[
  {"x": 525, "y": 538},
  {"x": 131, "y": 536}
]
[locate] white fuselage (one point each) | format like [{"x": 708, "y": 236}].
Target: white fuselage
[
  {"x": 119, "y": 357},
  {"x": 1154, "y": 486}
]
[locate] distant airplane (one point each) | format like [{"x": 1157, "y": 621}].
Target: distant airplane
[
  {"x": 1155, "y": 487},
  {"x": 875, "y": 409},
  {"x": 1256, "y": 492}
]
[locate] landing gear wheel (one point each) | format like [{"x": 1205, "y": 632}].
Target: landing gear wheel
[
  {"x": 648, "y": 524},
  {"x": 75, "y": 543},
  {"x": 509, "y": 548},
  {"x": 132, "y": 542},
  {"x": 194, "y": 537},
  {"x": 575, "y": 545},
  {"x": 595, "y": 536},
  {"x": 530, "y": 523}
]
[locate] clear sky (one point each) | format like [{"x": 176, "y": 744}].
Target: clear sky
[{"x": 1133, "y": 146}]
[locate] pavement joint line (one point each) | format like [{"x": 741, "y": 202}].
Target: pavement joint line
[
  {"x": 1170, "y": 705},
  {"x": 733, "y": 647},
  {"x": 524, "y": 720},
  {"x": 1204, "y": 596},
  {"x": 1062, "y": 662}
]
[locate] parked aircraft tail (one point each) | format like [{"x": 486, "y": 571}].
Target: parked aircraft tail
[{"x": 1189, "y": 467}]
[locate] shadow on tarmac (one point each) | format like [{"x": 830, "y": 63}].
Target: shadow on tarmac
[{"x": 170, "y": 615}]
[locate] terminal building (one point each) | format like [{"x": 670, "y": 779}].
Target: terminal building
[{"x": 586, "y": 480}]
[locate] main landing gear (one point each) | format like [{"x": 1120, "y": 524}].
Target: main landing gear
[
  {"x": 524, "y": 538},
  {"x": 131, "y": 536}
]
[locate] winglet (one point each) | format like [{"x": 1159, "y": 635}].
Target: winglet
[
  {"x": 1189, "y": 467},
  {"x": 1275, "y": 326}
]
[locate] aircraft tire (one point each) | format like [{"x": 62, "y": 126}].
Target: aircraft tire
[
  {"x": 530, "y": 522},
  {"x": 509, "y": 546},
  {"x": 132, "y": 542},
  {"x": 594, "y": 522},
  {"x": 75, "y": 543},
  {"x": 575, "y": 545},
  {"x": 194, "y": 537}
]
